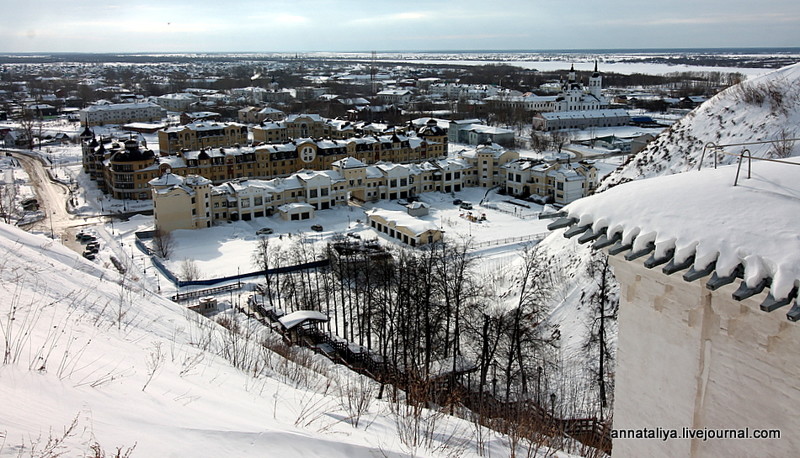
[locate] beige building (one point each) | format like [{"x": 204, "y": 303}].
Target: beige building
[
  {"x": 181, "y": 202},
  {"x": 255, "y": 115},
  {"x": 407, "y": 229},
  {"x": 486, "y": 162},
  {"x": 200, "y": 135},
  {"x": 120, "y": 168},
  {"x": 555, "y": 182},
  {"x": 347, "y": 178}
]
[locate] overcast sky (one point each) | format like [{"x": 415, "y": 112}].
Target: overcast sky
[{"x": 381, "y": 25}]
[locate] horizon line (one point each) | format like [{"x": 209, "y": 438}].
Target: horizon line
[{"x": 433, "y": 51}]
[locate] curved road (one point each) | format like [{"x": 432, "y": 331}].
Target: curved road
[{"x": 53, "y": 197}]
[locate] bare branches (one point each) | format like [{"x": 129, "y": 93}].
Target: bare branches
[
  {"x": 163, "y": 244},
  {"x": 155, "y": 359}
]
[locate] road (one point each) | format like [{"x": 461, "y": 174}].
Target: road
[{"x": 53, "y": 197}]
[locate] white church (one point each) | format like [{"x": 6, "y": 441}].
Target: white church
[
  {"x": 574, "y": 96},
  {"x": 579, "y": 106}
]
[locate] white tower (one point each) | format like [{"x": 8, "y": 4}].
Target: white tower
[{"x": 595, "y": 82}]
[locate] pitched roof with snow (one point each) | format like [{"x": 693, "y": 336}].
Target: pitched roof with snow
[
  {"x": 349, "y": 163},
  {"x": 296, "y": 318},
  {"x": 700, "y": 221}
]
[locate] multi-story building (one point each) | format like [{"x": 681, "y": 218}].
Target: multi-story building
[
  {"x": 220, "y": 164},
  {"x": 255, "y": 115},
  {"x": 486, "y": 162},
  {"x": 580, "y": 119},
  {"x": 121, "y": 113},
  {"x": 199, "y": 135},
  {"x": 395, "y": 96},
  {"x": 181, "y": 202},
  {"x": 260, "y": 95},
  {"x": 475, "y": 133},
  {"x": 558, "y": 182},
  {"x": 176, "y": 102},
  {"x": 351, "y": 178},
  {"x": 121, "y": 169}
]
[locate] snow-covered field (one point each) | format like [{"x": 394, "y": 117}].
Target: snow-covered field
[{"x": 227, "y": 249}]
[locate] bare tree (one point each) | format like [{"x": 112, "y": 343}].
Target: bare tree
[
  {"x": 604, "y": 312},
  {"x": 529, "y": 333},
  {"x": 163, "y": 244},
  {"x": 27, "y": 124},
  {"x": 559, "y": 138},
  {"x": 189, "y": 270},
  {"x": 539, "y": 141},
  {"x": 267, "y": 259},
  {"x": 8, "y": 192},
  {"x": 783, "y": 144}
]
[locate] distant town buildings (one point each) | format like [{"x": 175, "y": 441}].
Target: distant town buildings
[
  {"x": 573, "y": 95},
  {"x": 176, "y": 102},
  {"x": 255, "y": 115},
  {"x": 473, "y": 132},
  {"x": 558, "y": 120},
  {"x": 200, "y": 135},
  {"x": 121, "y": 113}
]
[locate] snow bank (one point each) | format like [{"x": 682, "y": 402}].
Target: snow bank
[{"x": 703, "y": 213}]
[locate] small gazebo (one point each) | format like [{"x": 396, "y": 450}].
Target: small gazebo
[{"x": 303, "y": 323}]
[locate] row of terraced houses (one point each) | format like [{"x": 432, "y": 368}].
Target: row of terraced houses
[{"x": 191, "y": 202}]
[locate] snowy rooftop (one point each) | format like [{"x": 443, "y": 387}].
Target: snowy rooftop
[
  {"x": 121, "y": 106},
  {"x": 416, "y": 225},
  {"x": 293, "y": 319},
  {"x": 349, "y": 163},
  {"x": 608, "y": 113},
  {"x": 699, "y": 219}
]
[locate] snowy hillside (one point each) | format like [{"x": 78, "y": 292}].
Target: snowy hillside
[
  {"x": 764, "y": 108},
  {"x": 94, "y": 366},
  {"x": 761, "y": 109}
]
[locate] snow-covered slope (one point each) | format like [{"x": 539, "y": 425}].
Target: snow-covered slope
[
  {"x": 92, "y": 364},
  {"x": 764, "y": 108}
]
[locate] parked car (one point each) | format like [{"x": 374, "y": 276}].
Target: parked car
[
  {"x": 316, "y": 227},
  {"x": 88, "y": 255},
  {"x": 86, "y": 235},
  {"x": 264, "y": 231},
  {"x": 466, "y": 205},
  {"x": 353, "y": 235},
  {"x": 457, "y": 202},
  {"x": 93, "y": 247}
]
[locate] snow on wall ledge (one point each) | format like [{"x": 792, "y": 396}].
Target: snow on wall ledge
[{"x": 700, "y": 221}]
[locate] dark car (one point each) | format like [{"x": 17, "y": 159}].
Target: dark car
[
  {"x": 316, "y": 227},
  {"x": 457, "y": 202}
]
